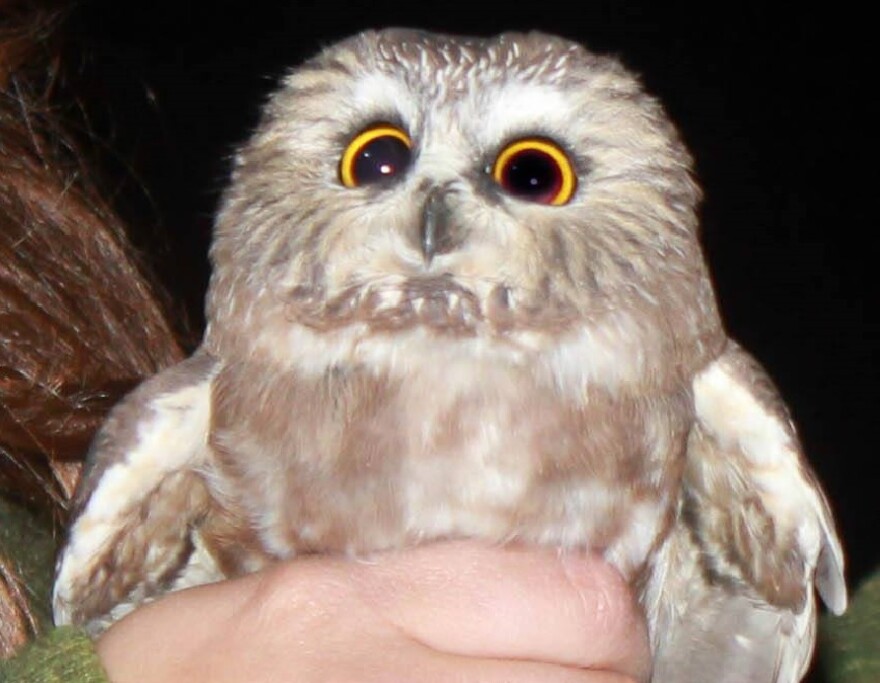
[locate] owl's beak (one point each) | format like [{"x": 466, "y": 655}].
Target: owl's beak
[{"x": 435, "y": 237}]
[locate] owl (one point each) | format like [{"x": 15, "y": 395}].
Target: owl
[{"x": 458, "y": 291}]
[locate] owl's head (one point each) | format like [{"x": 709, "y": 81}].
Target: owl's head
[{"x": 517, "y": 185}]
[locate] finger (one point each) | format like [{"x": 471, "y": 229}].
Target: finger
[
  {"x": 467, "y": 599},
  {"x": 442, "y": 668},
  {"x": 396, "y": 659}
]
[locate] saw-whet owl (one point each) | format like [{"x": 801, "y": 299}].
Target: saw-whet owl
[{"x": 458, "y": 291}]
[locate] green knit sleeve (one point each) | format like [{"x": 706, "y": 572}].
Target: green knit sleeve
[
  {"x": 64, "y": 655},
  {"x": 851, "y": 643}
]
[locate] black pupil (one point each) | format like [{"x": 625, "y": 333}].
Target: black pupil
[
  {"x": 381, "y": 158},
  {"x": 532, "y": 174}
]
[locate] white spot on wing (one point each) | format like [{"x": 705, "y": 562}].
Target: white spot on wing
[{"x": 736, "y": 418}]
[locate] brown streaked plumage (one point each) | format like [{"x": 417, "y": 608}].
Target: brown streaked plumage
[{"x": 432, "y": 355}]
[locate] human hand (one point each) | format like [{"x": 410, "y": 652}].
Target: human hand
[{"x": 455, "y": 611}]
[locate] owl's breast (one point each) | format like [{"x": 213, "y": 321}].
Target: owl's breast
[{"x": 357, "y": 461}]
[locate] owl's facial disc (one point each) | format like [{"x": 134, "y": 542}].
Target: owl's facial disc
[{"x": 487, "y": 187}]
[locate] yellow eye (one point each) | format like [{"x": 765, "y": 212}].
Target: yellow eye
[
  {"x": 535, "y": 170},
  {"x": 377, "y": 153}
]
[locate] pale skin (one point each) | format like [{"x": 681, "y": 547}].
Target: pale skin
[{"x": 443, "y": 613}]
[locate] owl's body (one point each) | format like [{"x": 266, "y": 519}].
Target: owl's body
[
  {"x": 461, "y": 447},
  {"x": 439, "y": 352}
]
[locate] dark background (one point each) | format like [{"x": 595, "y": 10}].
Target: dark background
[{"x": 775, "y": 105}]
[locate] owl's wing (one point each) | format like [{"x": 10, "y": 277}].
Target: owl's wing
[
  {"x": 139, "y": 499},
  {"x": 737, "y": 601}
]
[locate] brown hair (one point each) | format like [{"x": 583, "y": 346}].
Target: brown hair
[{"x": 80, "y": 323}]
